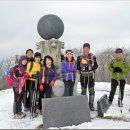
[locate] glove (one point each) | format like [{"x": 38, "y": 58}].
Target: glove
[
  {"x": 117, "y": 69},
  {"x": 73, "y": 64},
  {"x": 52, "y": 83},
  {"x": 41, "y": 88},
  {"x": 93, "y": 68},
  {"x": 34, "y": 76},
  {"x": 84, "y": 62}
]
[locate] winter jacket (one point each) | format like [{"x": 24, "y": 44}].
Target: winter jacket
[
  {"x": 123, "y": 64},
  {"x": 46, "y": 75},
  {"x": 30, "y": 59},
  {"x": 35, "y": 69},
  {"x": 87, "y": 68},
  {"x": 68, "y": 70},
  {"x": 17, "y": 74}
]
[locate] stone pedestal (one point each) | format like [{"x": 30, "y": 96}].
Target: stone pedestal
[
  {"x": 65, "y": 111},
  {"x": 58, "y": 88}
]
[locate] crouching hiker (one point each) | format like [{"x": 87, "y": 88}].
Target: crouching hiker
[
  {"x": 119, "y": 67},
  {"x": 68, "y": 69},
  {"x": 87, "y": 65},
  {"x": 33, "y": 69},
  {"x": 47, "y": 78},
  {"x": 18, "y": 87}
]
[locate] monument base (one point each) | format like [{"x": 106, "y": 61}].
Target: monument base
[
  {"x": 58, "y": 88},
  {"x": 65, "y": 111}
]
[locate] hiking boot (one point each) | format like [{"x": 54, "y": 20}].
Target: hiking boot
[
  {"x": 120, "y": 104},
  {"x": 34, "y": 115},
  {"x": 40, "y": 111},
  {"x": 26, "y": 109},
  {"x": 91, "y": 101},
  {"x": 91, "y": 107},
  {"x": 19, "y": 116},
  {"x": 110, "y": 102}
]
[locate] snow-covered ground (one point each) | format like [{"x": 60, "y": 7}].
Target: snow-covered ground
[{"x": 113, "y": 119}]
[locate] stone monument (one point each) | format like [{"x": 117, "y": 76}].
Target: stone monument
[{"x": 50, "y": 27}]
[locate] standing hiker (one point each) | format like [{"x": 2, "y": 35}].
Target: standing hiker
[
  {"x": 87, "y": 64},
  {"x": 47, "y": 78},
  {"x": 33, "y": 68},
  {"x": 19, "y": 83},
  {"x": 29, "y": 54},
  {"x": 68, "y": 69},
  {"x": 119, "y": 67}
]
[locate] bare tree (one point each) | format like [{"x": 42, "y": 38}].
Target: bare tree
[
  {"x": 104, "y": 58},
  {"x": 5, "y": 64}
]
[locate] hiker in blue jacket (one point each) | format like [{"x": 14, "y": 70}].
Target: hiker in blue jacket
[{"x": 68, "y": 69}]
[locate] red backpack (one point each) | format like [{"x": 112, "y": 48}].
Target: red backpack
[{"x": 10, "y": 76}]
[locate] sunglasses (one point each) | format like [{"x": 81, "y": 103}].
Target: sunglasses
[{"x": 69, "y": 52}]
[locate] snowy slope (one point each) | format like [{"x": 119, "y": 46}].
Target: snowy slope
[{"x": 113, "y": 119}]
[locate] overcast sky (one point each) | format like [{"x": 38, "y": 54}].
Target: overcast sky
[{"x": 101, "y": 23}]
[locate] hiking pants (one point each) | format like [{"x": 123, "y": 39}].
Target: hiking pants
[
  {"x": 87, "y": 81},
  {"x": 32, "y": 91},
  {"x": 114, "y": 84},
  {"x": 47, "y": 93},
  {"x": 26, "y": 98},
  {"x": 17, "y": 105},
  {"x": 69, "y": 87}
]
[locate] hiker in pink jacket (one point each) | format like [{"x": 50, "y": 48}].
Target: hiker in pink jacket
[{"x": 18, "y": 87}]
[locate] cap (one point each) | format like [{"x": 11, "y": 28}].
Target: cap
[{"x": 118, "y": 50}]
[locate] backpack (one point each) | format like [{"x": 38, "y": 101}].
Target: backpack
[
  {"x": 10, "y": 77},
  {"x": 31, "y": 65},
  {"x": 89, "y": 59}
]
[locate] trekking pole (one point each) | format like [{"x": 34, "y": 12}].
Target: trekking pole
[
  {"x": 118, "y": 79},
  {"x": 25, "y": 95},
  {"x": 33, "y": 105}
]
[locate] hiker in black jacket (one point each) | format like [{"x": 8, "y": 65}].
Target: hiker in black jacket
[
  {"x": 87, "y": 64},
  {"x": 26, "y": 99}
]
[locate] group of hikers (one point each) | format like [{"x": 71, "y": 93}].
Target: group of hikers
[{"x": 34, "y": 78}]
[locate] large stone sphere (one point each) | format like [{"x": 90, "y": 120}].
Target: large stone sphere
[{"x": 50, "y": 26}]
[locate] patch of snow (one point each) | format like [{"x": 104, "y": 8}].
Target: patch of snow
[{"x": 113, "y": 119}]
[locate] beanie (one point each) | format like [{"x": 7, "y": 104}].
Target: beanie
[
  {"x": 118, "y": 50},
  {"x": 37, "y": 54}
]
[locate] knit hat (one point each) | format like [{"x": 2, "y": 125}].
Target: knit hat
[
  {"x": 86, "y": 45},
  {"x": 118, "y": 50},
  {"x": 37, "y": 54}
]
